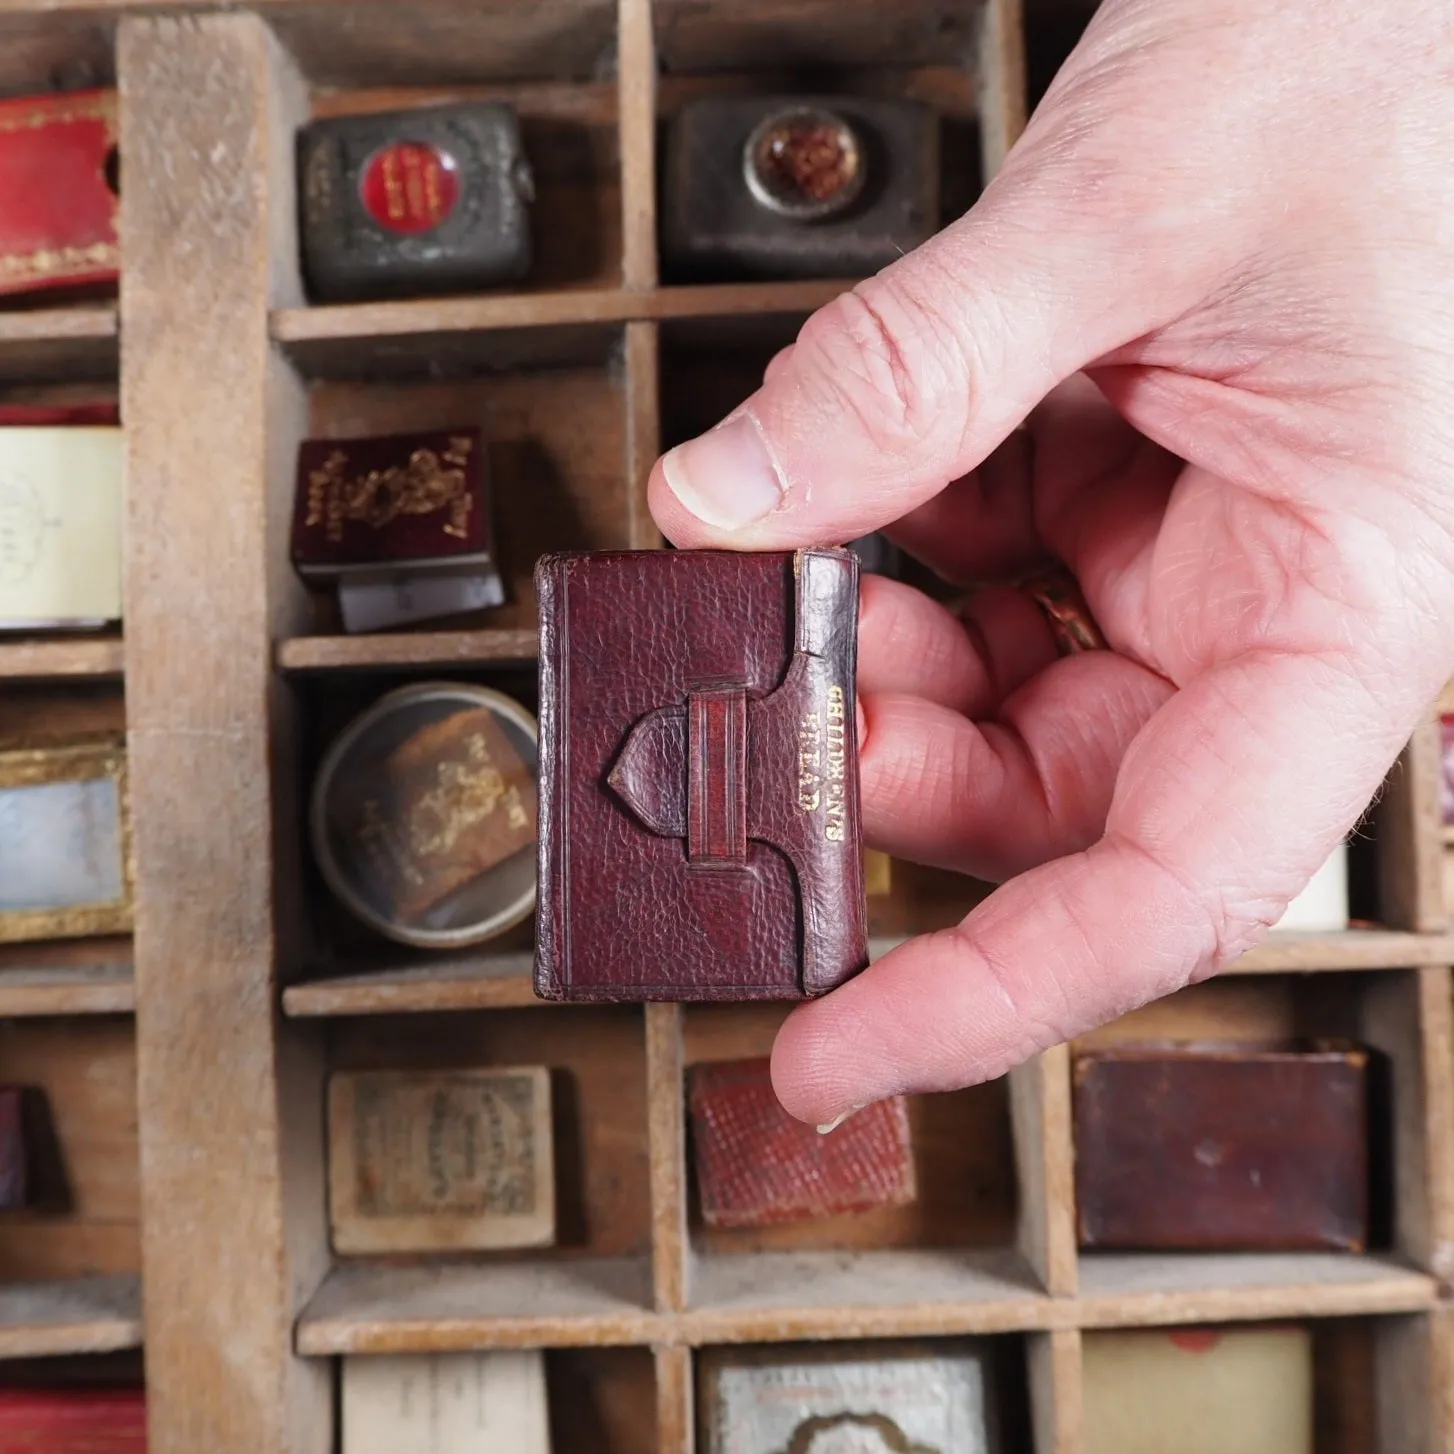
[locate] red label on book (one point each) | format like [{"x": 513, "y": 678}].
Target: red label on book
[
  {"x": 57, "y": 197},
  {"x": 757, "y": 1165},
  {"x": 409, "y": 186},
  {"x": 73, "y": 1421}
]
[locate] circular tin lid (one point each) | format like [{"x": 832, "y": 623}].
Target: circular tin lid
[
  {"x": 424, "y": 815},
  {"x": 805, "y": 163}
]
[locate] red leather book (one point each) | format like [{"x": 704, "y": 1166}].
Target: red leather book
[
  {"x": 57, "y": 197},
  {"x": 72, "y": 1421},
  {"x": 13, "y": 1179},
  {"x": 756, "y": 1165},
  {"x": 699, "y": 831},
  {"x": 1222, "y": 1148},
  {"x": 391, "y": 502},
  {"x": 101, "y": 412}
]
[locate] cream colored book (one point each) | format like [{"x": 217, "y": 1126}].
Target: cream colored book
[
  {"x": 60, "y": 526},
  {"x": 441, "y": 1160},
  {"x": 1199, "y": 1391},
  {"x": 446, "y": 1403},
  {"x": 1322, "y": 907}
]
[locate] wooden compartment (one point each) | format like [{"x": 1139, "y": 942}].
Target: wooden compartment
[{"x": 234, "y": 675}]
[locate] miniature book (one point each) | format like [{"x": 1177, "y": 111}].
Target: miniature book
[
  {"x": 847, "y": 1398},
  {"x": 1322, "y": 907},
  {"x": 441, "y": 1161},
  {"x": 1199, "y": 1391},
  {"x": 60, "y": 526},
  {"x": 13, "y": 1170},
  {"x": 65, "y": 850},
  {"x": 446, "y": 1403},
  {"x": 757, "y": 1165},
  {"x": 58, "y": 197},
  {"x": 1222, "y": 1148},
  {"x": 72, "y": 1421},
  {"x": 424, "y": 814},
  {"x": 797, "y": 186},
  {"x": 430, "y": 200},
  {"x": 401, "y": 522},
  {"x": 699, "y": 828}
]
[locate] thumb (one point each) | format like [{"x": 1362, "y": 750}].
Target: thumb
[{"x": 912, "y": 378}]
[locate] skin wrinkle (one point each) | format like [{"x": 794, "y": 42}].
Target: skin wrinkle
[{"x": 1256, "y": 278}]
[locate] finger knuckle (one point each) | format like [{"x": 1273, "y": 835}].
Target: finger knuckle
[{"x": 888, "y": 364}]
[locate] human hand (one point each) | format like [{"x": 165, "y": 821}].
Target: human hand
[{"x": 1236, "y": 221}]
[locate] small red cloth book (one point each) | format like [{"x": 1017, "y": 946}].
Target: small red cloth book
[
  {"x": 57, "y": 200},
  {"x": 757, "y": 1165},
  {"x": 390, "y": 503},
  {"x": 100, "y": 412},
  {"x": 72, "y": 1421}
]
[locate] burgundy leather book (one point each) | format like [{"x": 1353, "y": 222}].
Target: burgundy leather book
[
  {"x": 72, "y": 1421},
  {"x": 756, "y": 1165},
  {"x": 1222, "y": 1148},
  {"x": 57, "y": 195},
  {"x": 100, "y": 412},
  {"x": 391, "y": 502},
  {"x": 699, "y": 831}
]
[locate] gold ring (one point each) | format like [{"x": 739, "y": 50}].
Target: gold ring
[{"x": 1058, "y": 595}]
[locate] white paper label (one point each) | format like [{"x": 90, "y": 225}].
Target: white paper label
[{"x": 60, "y": 845}]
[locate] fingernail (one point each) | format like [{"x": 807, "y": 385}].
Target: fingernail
[
  {"x": 834, "y": 1124},
  {"x": 725, "y": 477}
]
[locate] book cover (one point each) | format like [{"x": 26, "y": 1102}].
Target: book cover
[
  {"x": 58, "y": 201},
  {"x": 60, "y": 525},
  {"x": 72, "y": 1421},
  {"x": 390, "y": 502},
  {"x": 756, "y": 1165}
]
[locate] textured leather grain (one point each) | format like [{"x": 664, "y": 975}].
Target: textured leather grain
[
  {"x": 1222, "y": 1148},
  {"x": 699, "y": 826},
  {"x": 756, "y": 1165}
]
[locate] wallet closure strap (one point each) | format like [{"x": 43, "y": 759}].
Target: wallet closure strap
[{"x": 717, "y": 777}]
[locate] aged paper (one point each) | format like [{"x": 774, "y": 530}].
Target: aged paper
[
  {"x": 60, "y": 525},
  {"x": 446, "y": 1403},
  {"x": 441, "y": 1160}
]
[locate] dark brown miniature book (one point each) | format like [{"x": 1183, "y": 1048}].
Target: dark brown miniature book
[
  {"x": 452, "y": 801},
  {"x": 699, "y": 830},
  {"x": 756, "y": 1165},
  {"x": 1222, "y": 1148},
  {"x": 14, "y": 1181},
  {"x": 404, "y": 203},
  {"x": 797, "y": 186}
]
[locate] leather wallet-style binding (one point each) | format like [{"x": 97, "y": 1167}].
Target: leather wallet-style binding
[{"x": 699, "y": 824}]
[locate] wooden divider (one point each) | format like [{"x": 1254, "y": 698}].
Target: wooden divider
[{"x": 223, "y": 367}]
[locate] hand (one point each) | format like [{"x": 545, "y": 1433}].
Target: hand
[{"x": 1217, "y": 277}]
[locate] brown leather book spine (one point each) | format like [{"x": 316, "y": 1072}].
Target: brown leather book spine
[{"x": 1222, "y": 1149}]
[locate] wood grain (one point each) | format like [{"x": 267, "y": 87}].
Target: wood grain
[
  {"x": 233, "y": 1228},
  {"x": 28, "y": 991},
  {"x": 58, "y": 343},
  {"x": 1056, "y": 1389},
  {"x": 1409, "y": 821},
  {"x": 636, "y": 77},
  {"x": 1040, "y": 1108},
  {"x": 70, "y": 1315},
  {"x": 397, "y": 650},
  {"x": 61, "y": 657},
  {"x": 668, "y": 1143},
  {"x": 490, "y": 982},
  {"x": 675, "y": 1401}
]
